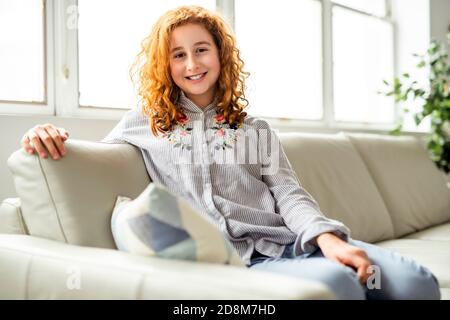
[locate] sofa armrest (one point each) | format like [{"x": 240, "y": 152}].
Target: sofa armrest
[
  {"x": 71, "y": 199},
  {"x": 36, "y": 268},
  {"x": 11, "y": 220}
]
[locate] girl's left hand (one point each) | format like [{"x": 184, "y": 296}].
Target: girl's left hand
[{"x": 340, "y": 251}]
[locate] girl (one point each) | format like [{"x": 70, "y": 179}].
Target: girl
[{"x": 191, "y": 82}]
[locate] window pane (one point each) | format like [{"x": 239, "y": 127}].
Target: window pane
[
  {"x": 377, "y": 7},
  {"x": 109, "y": 37},
  {"x": 281, "y": 47},
  {"x": 363, "y": 57},
  {"x": 21, "y": 51}
]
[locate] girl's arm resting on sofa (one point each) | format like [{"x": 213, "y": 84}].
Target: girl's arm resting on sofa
[{"x": 45, "y": 138}]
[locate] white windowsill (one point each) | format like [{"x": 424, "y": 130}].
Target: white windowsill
[{"x": 282, "y": 125}]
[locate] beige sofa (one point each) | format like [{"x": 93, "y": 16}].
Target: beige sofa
[{"x": 56, "y": 242}]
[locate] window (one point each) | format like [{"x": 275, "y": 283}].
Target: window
[
  {"x": 375, "y": 7},
  {"x": 22, "y": 58},
  {"x": 289, "y": 45},
  {"x": 363, "y": 56},
  {"x": 281, "y": 47},
  {"x": 314, "y": 63},
  {"x": 109, "y": 37}
]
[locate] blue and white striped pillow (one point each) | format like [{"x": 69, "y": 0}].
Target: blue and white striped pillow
[{"x": 159, "y": 224}]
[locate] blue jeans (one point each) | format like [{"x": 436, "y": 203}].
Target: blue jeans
[{"x": 393, "y": 277}]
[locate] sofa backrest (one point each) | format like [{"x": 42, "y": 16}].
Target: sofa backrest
[
  {"x": 71, "y": 200},
  {"x": 381, "y": 187},
  {"x": 414, "y": 190},
  {"x": 330, "y": 168}
]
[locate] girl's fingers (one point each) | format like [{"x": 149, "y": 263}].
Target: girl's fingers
[
  {"x": 45, "y": 139},
  {"x": 57, "y": 140},
  {"x": 63, "y": 133},
  {"x": 36, "y": 141},
  {"x": 362, "y": 265},
  {"x": 25, "y": 143},
  {"x": 359, "y": 263},
  {"x": 47, "y": 136},
  {"x": 362, "y": 274}
]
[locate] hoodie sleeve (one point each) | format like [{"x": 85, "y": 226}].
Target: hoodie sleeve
[{"x": 300, "y": 211}]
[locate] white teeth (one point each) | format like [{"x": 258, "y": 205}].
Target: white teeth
[{"x": 196, "y": 77}]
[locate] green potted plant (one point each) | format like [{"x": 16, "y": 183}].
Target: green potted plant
[{"x": 434, "y": 101}]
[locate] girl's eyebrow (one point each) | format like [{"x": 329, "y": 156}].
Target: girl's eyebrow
[{"x": 195, "y": 44}]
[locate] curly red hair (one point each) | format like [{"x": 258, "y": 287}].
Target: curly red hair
[{"x": 156, "y": 88}]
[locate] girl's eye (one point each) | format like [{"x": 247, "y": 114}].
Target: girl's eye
[{"x": 180, "y": 55}]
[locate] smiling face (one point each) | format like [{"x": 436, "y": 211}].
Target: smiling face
[{"x": 194, "y": 63}]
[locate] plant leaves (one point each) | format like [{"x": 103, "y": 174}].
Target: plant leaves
[{"x": 397, "y": 130}]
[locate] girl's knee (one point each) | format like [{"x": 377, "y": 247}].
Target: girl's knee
[
  {"x": 415, "y": 284},
  {"x": 401, "y": 277},
  {"x": 423, "y": 285}
]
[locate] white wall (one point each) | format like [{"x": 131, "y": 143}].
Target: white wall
[{"x": 440, "y": 20}]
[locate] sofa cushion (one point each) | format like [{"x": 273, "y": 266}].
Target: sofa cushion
[
  {"x": 414, "y": 190},
  {"x": 329, "y": 167},
  {"x": 434, "y": 255},
  {"x": 71, "y": 200},
  {"x": 159, "y": 224},
  {"x": 36, "y": 268},
  {"x": 438, "y": 233},
  {"x": 11, "y": 220}
]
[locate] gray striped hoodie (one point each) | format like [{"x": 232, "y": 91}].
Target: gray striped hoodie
[{"x": 239, "y": 177}]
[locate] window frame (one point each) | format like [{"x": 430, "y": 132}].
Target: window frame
[
  {"x": 66, "y": 60},
  {"x": 328, "y": 123},
  {"x": 67, "y": 93},
  {"x": 45, "y": 107},
  {"x": 358, "y": 124}
]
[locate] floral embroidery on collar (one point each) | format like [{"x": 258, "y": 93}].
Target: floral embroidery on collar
[
  {"x": 181, "y": 136},
  {"x": 227, "y": 134},
  {"x": 177, "y": 135}
]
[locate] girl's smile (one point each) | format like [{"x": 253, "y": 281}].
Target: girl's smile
[{"x": 197, "y": 78}]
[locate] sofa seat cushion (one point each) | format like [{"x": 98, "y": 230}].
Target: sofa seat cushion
[
  {"x": 414, "y": 190},
  {"x": 36, "y": 268},
  {"x": 331, "y": 170},
  {"x": 439, "y": 233},
  {"x": 434, "y": 255},
  {"x": 158, "y": 223},
  {"x": 445, "y": 293}
]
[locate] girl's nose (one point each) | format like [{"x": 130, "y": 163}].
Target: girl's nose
[{"x": 191, "y": 63}]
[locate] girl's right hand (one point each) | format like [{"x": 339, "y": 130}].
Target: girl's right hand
[{"x": 45, "y": 138}]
